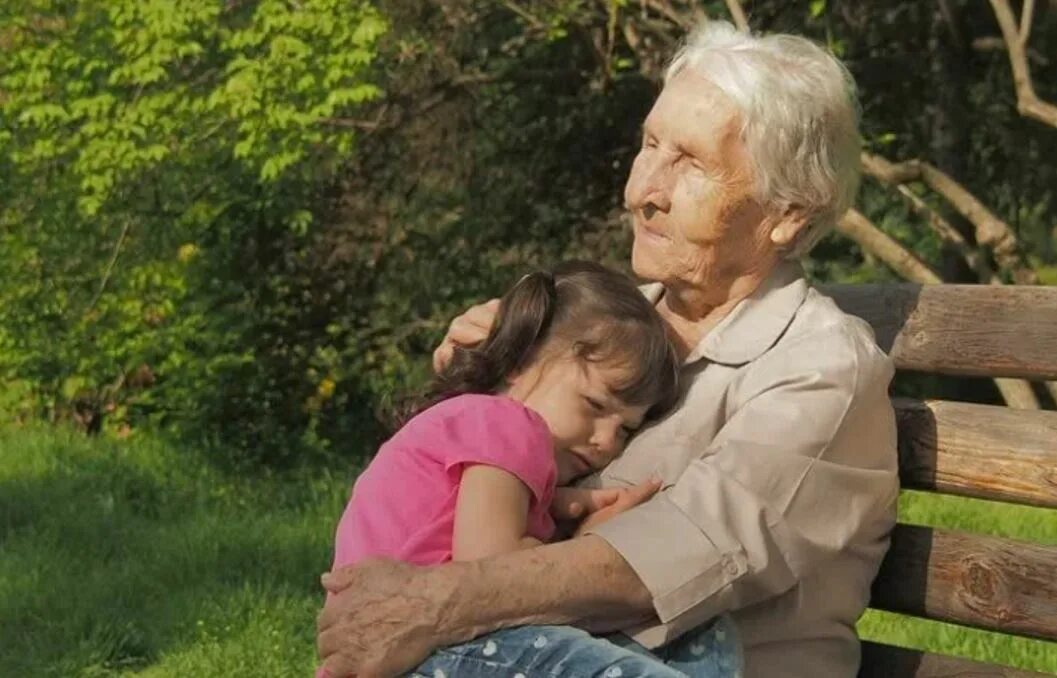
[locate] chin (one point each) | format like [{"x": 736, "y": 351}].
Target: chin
[{"x": 645, "y": 262}]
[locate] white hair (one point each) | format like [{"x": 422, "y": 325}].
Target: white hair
[{"x": 799, "y": 118}]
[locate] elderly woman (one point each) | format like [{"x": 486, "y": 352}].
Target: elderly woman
[{"x": 778, "y": 465}]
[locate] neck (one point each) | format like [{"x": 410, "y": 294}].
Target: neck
[{"x": 692, "y": 311}]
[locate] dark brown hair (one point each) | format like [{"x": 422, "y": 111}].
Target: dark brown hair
[{"x": 583, "y": 307}]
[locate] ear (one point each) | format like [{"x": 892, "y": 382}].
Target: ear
[{"x": 788, "y": 226}]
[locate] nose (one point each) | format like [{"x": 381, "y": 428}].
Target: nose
[
  {"x": 607, "y": 439},
  {"x": 649, "y": 184}
]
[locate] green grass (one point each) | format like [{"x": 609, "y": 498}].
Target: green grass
[{"x": 138, "y": 557}]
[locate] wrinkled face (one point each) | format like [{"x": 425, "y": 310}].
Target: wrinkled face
[
  {"x": 588, "y": 423},
  {"x": 690, "y": 192}
]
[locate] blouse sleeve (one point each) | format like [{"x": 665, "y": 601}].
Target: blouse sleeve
[{"x": 503, "y": 433}]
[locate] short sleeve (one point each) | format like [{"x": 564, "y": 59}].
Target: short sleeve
[{"x": 499, "y": 432}]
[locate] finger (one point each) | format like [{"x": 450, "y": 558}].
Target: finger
[
  {"x": 327, "y": 643},
  {"x": 566, "y": 508},
  {"x": 637, "y": 494},
  {"x": 596, "y": 500},
  {"x": 328, "y": 616},
  {"x": 483, "y": 315},
  {"x": 338, "y": 580},
  {"x": 338, "y": 666},
  {"x": 562, "y": 503},
  {"x": 442, "y": 356},
  {"x": 599, "y": 499},
  {"x": 467, "y": 331}
]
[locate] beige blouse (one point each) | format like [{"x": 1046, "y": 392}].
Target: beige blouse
[{"x": 780, "y": 483}]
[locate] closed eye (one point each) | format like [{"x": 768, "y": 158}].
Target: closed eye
[
  {"x": 594, "y": 404},
  {"x": 694, "y": 162}
]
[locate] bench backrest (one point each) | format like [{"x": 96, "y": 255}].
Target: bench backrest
[{"x": 966, "y": 449}]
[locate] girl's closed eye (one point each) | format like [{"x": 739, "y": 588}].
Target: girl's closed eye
[{"x": 595, "y": 404}]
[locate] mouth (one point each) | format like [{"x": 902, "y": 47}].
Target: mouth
[
  {"x": 646, "y": 231},
  {"x": 580, "y": 465}
]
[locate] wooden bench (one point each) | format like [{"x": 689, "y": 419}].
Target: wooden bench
[{"x": 972, "y": 450}]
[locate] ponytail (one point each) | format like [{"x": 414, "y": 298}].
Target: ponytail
[{"x": 525, "y": 314}]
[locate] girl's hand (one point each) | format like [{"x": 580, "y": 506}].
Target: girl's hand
[
  {"x": 628, "y": 498},
  {"x": 576, "y": 503}
]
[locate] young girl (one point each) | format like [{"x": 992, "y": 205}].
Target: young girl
[{"x": 577, "y": 360}]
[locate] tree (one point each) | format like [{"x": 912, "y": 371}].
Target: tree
[{"x": 148, "y": 148}]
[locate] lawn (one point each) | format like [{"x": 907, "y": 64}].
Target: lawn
[{"x": 138, "y": 557}]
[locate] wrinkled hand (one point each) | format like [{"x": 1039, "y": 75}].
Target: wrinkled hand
[
  {"x": 469, "y": 329},
  {"x": 383, "y": 618},
  {"x": 628, "y": 498}
]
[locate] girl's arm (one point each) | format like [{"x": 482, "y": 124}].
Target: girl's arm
[{"x": 491, "y": 514}]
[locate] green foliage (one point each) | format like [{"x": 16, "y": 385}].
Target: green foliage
[{"x": 146, "y": 148}]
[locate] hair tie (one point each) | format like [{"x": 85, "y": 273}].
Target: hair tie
[{"x": 545, "y": 277}]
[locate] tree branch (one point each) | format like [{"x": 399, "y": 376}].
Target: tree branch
[
  {"x": 524, "y": 14},
  {"x": 1028, "y": 103},
  {"x": 663, "y": 7},
  {"x": 1026, "y": 14},
  {"x": 110, "y": 265},
  {"x": 424, "y": 104},
  {"x": 991, "y": 231},
  {"x": 885, "y": 172},
  {"x": 992, "y": 43},
  {"x": 875, "y": 241},
  {"x": 738, "y": 14},
  {"x": 949, "y": 235},
  {"x": 1016, "y": 392}
]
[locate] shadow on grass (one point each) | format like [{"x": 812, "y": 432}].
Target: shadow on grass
[{"x": 112, "y": 562}]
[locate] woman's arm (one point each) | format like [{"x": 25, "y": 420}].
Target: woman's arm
[
  {"x": 383, "y": 618},
  {"x": 491, "y": 514}
]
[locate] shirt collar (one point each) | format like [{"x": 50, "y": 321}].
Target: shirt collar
[{"x": 755, "y": 324}]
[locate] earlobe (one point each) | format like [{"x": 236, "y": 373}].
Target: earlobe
[{"x": 789, "y": 226}]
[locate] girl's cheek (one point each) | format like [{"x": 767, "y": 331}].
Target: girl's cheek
[{"x": 587, "y": 429}]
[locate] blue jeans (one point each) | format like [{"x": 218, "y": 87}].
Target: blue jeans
[{"x": 566, "y": 652}]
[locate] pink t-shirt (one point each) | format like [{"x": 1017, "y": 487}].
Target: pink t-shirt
[{"x": 403, "y": 505}]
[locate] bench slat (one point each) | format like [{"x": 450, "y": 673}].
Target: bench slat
[
  {"x": 987, "y": 582},
  {"x": 888, "y": 661},
  {"x": 973, "y": 330},
  {"x": 978, "y": 450}
]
